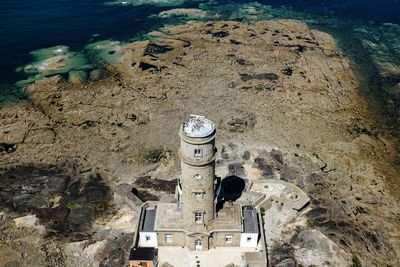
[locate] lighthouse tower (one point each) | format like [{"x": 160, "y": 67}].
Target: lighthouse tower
[{"x": 197, "y": 155}]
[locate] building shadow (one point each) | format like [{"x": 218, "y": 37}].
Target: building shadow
[{"x": 232, "y": 187}]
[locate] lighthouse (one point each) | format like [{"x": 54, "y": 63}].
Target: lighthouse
[
  {"x": 197, "y": 182},
  {"x": 192, "y": 221}
]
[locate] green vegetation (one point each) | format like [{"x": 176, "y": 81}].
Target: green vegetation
[
  {"x": 101, "y": 206},
  {"x": 152, "y": 156},
  {"x": 147, "y": 196},
  {"x": 72, "y": 205},
  {"x": 54, "y": 257},
  {"x": 156, "y": 155}
]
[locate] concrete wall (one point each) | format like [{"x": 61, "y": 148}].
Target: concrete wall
[
  {"x": 148, "y": 243},
  {"x": 245, "y": 243}
]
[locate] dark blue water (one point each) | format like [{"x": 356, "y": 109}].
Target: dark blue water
[
  {"x": 379, "y": 11},
  {"x": 29, "y": 25}
]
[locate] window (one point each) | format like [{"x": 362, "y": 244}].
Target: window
[
  {"x": 147, "y": 238},
  {"x": 197, "y": 152},
  {"x": 228, "y": 239},
  {"x": 198, "y": 195},
  {"x": 198, "y": 244},
  {"x": 198, "y": 177},
  {"x": 248, "y": 239},
  {"x": 198, "y": 217},
  {"x": 168, "y": 238}
]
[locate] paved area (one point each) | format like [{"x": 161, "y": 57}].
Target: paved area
[
  {"x": 218, "y": 257},
  {"x": 289, "y": 194},
  {"x": 282, "y": 204}
]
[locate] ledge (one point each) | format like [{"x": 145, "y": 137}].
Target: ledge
[{"x": 194, "y": 163}]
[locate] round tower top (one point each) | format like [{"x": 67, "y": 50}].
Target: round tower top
[{"x": 198, "y": 126}]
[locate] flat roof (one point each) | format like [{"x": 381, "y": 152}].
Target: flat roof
[
  {"x": 148, "y": 220},
  {"x": 168, "y": 217},
  {"x": 250, "y": 223},
  {"x": 139, "y": 253},
  {"x": 228, "y": 218},
  {"x": 198, "y": 126}
]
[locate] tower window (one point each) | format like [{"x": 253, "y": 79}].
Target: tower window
[
  {"x": 147, "y": 238},
  {"x": 198, "y": 176},
  {"x": 198, "y": 153},
  {"x": 248, "y": 239},
  {"x": 228, "y": 239},
  {"x": 198, "y": 217},
  {"x": 198, "y": 195},
  {"x": 168, "y": 238}
]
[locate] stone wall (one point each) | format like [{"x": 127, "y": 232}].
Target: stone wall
[
  {"x": 190, "y": 185},
  {"x": 178, "y": 238},
  {"x": 219, "y": 239},
  {"x": 190, "y": 242}
]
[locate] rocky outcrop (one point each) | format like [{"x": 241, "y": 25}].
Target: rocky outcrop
[{"x": 275, "y": 85}]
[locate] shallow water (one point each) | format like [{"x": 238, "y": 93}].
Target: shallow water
[{"x": 367, "y": 30}]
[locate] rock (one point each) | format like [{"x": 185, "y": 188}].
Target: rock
[
  {"x": 95, "y": 75},
  {"x": 77, "y": 77},
  {"x": 325, "y": 41},
  {"x": 7, "y": 148},
  {"x": 313, "y": 248},
  {"x": 296, "y": 90},
  {"x": 75, "y": 248},
  {"x": 189, "y": 12},
  {"x": 29, "y": 221},
  {"x": 241, "y": 123},
  {"x": 40, "y": 136},
  {"x": 26, "y": 221},
  {"x": 96, "y": 252}
]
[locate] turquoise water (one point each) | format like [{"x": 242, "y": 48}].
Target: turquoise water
[{"x": 368, "y": 31}]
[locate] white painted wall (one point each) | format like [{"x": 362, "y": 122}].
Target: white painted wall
[
  {"x": 244, "y": 243},
  {"x": 148, "y": 243}
]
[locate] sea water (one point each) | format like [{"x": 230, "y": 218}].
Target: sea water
[{"x": 82, "y": 33}]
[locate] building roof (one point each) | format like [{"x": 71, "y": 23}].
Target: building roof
[
  {"x": 198, "y": 126},
  {"x": 250, "y": 223},
  {"x": 228, "y": 218},
  {"x": 147, "y": 221},
  {"x": 169, "y": 217},
  {"x": 139, "y": 253}
]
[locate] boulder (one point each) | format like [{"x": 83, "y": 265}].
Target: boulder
[
  {"x": 77, "y": 77},
  {"x": 29, "y": 221}
]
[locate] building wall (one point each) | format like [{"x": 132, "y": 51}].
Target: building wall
[
  {"x": 244, "y": 243},
  {"x": 219, "y": 239},
  {"x": 193, "y": 167},
  {"x": 187, "y": 148},
  {"x": 148, "y": 243},
  {"x": 191, "y": 241},
  {"x": 178, "y": 239},
  {"x": 190, "y": 185}
]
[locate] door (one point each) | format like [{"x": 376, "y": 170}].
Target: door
[{"x": 198, "y": 245}]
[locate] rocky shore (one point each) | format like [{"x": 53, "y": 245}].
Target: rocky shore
[{"x": 275, "y": 86}]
